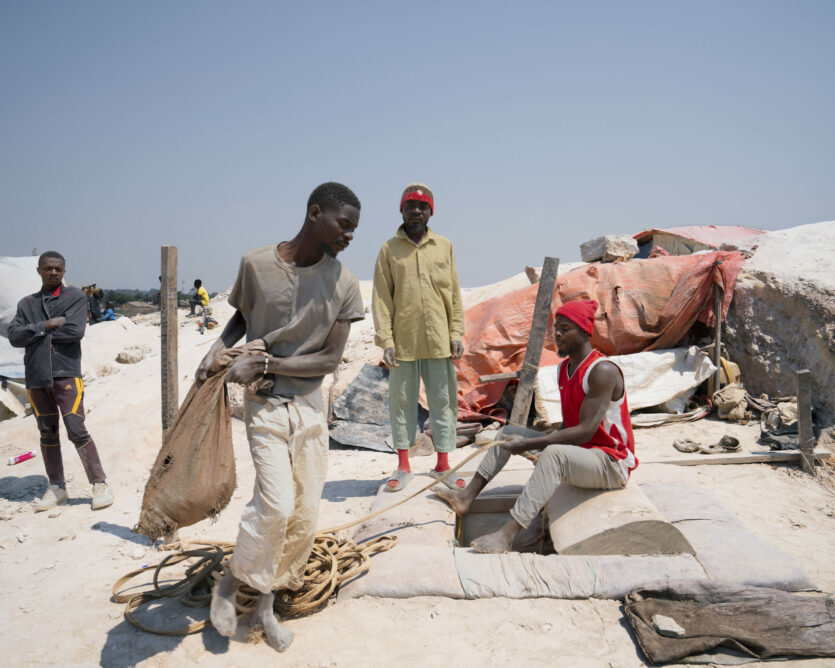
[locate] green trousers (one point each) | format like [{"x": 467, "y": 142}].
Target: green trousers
[{"x": 441, "y": 394}]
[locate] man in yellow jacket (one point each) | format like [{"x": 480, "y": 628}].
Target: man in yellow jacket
[{"x": 419, "y": 323}]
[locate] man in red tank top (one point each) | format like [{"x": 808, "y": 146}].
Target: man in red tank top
[{"x": 594, "y": 448}]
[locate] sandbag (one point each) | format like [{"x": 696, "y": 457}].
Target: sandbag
[
  {"x": 193, "y": 476},
  {"x": 517, "y": 575}
]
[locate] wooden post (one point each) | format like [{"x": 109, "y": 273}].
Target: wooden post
[
  {"x": 805, "y": 435},
  {"x": 719, "y": 294},
  {"x": 168, "y": 337},
  {"x": 539, "y": 325}
]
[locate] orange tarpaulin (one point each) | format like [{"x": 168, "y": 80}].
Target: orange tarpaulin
[{"x": 644, "y": 305}]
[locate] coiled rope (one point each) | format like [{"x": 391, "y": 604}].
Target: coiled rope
[{"x": 331, "y": 563}]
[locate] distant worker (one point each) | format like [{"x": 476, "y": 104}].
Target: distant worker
[
  {"x": 50, "y": 325},
  {"x": 418, "y": 319},
  {"x": 109, "y": 313},
  {"x": 200, "y": 297},
  {"x": 298, "y": 301},
  {"x": 594, "y": 449},
  {"x": 94, "y": 302}
]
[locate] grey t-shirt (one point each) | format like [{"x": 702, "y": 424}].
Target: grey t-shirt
[{"x": 293, "y": 308}]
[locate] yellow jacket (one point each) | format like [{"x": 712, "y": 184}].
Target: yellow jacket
[
  {"x": 203, "y": 296},
  {"x": 416, "y": 302}
]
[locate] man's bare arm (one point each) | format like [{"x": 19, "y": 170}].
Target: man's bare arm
[
  {"x": 232, "y": 333},
  {"x": 603, "y": 380},
  {"x": 249, "y": 368}
]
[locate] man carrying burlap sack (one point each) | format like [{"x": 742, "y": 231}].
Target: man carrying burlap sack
[{"x": 299, "y": 301}]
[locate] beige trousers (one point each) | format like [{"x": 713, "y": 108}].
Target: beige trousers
[
  {"x": 289, "y": 446},
  {"x": 582, "y": 467}
]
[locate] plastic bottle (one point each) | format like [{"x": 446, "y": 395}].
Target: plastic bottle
[{"x": 16, "y": 459}]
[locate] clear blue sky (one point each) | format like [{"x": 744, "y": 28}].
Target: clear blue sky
[{"x": 128, "y": 125}]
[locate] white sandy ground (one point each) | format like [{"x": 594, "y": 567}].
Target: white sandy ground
[{"x": 58, "y": 568}]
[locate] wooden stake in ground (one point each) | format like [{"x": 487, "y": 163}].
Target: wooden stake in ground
[
  {"x": 168, "y": 336},
  {"x": 805, "y": 435},
  {"x": 539, "y": 325},
  {"x": 719, "y": 297}
]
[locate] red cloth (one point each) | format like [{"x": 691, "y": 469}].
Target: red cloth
[
  {"x": 420, "y": 195},
  {"x": 580, "y": 312},
  {"x": 644, "y": 305},
  {"x": 614, "y": 433}
]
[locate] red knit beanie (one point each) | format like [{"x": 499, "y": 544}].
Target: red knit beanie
[
  {"x": 580, "y": 312},
  {"x": 419, "y": 192}
]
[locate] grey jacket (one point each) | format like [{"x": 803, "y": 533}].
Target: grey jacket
[{"x": 53, "y": 354}]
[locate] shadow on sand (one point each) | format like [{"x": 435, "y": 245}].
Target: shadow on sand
[
  {"x": 340, "y": 490},
  {"x": 122, "y": 532},
  {"x": 127, "y": 645}
]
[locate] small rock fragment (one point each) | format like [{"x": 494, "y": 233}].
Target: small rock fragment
[{"x": 667, "y": 626}]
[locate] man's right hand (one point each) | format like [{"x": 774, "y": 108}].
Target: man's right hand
[
  {"x": 54, "y": 323},
  {"x": 390, "y": 358},
  {"x": 203, "y": 370}
]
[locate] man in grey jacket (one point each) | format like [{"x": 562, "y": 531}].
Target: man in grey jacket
[{"x": 50, "y": 325}]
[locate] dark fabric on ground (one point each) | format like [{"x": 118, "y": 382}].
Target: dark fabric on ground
[{"x": 755, "y": 621}]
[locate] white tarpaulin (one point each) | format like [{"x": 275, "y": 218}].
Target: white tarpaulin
[
  {"x": 664, "y": 378},
  {"x": 18, "y": 278}
]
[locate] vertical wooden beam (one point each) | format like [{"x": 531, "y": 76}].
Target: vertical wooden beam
[
  {"x": 719, "y": 295},
  {"x": 539, "y": 325},
  {"x": 168, "y": 337},
  {"x": 805, "y": 435}
]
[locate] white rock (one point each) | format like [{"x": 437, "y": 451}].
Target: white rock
[
  {"x": 609, "y": 248},
  {"x": 667, "y": 626}
]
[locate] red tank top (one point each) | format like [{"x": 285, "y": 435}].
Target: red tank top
[{"x": 614, "y": 434}]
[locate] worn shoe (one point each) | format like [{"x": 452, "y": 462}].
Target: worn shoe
[
  {"x": 54, "y": 496},
  {"x": 102, "y": 495}
]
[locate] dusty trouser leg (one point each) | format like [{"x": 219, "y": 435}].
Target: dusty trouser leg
[
  {"x": 404, "y": 382},
  {"x": 309, "y": 458},
  {"x": 493, "y": 462},
  {"x": 264, "y": 520},
  {"x": 442, "y": 399},
  {"x": 46, "y": 415},
  {"x": 288, "y": 442},
  {"x": 69, "y": 395},
  {"x": 582, "y": 467}
]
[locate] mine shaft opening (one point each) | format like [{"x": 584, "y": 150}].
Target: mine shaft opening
[{"x": 488, "y": 514}]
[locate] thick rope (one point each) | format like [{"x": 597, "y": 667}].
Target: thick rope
[{"x": 331, "y": 563}]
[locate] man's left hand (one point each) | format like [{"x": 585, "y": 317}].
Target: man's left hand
[
  {"x": 457, "y": 350},
  {"x": 516, "y": 445},
  {"x": 246, "y": 369}
]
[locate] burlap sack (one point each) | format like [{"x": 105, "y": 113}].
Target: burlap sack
[{"x": 193, "y": 476}]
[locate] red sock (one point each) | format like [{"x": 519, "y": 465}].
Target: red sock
[
  {"x": 443, "y": 465},
  {"x": 402, "y": 465},
  {"x": 403, "y": 461}
]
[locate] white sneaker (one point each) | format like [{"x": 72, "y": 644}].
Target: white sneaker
[
  {"x": 54, "y": 496},
  {"x": 102, "y": 495}
]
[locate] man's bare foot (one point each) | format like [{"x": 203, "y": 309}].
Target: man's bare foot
[
  {"x": 222, "y": 612},
  {"x": 278, "y": 637},
  {"x": 459, "y": 501},
  {"x": 499, "y": 541}
]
